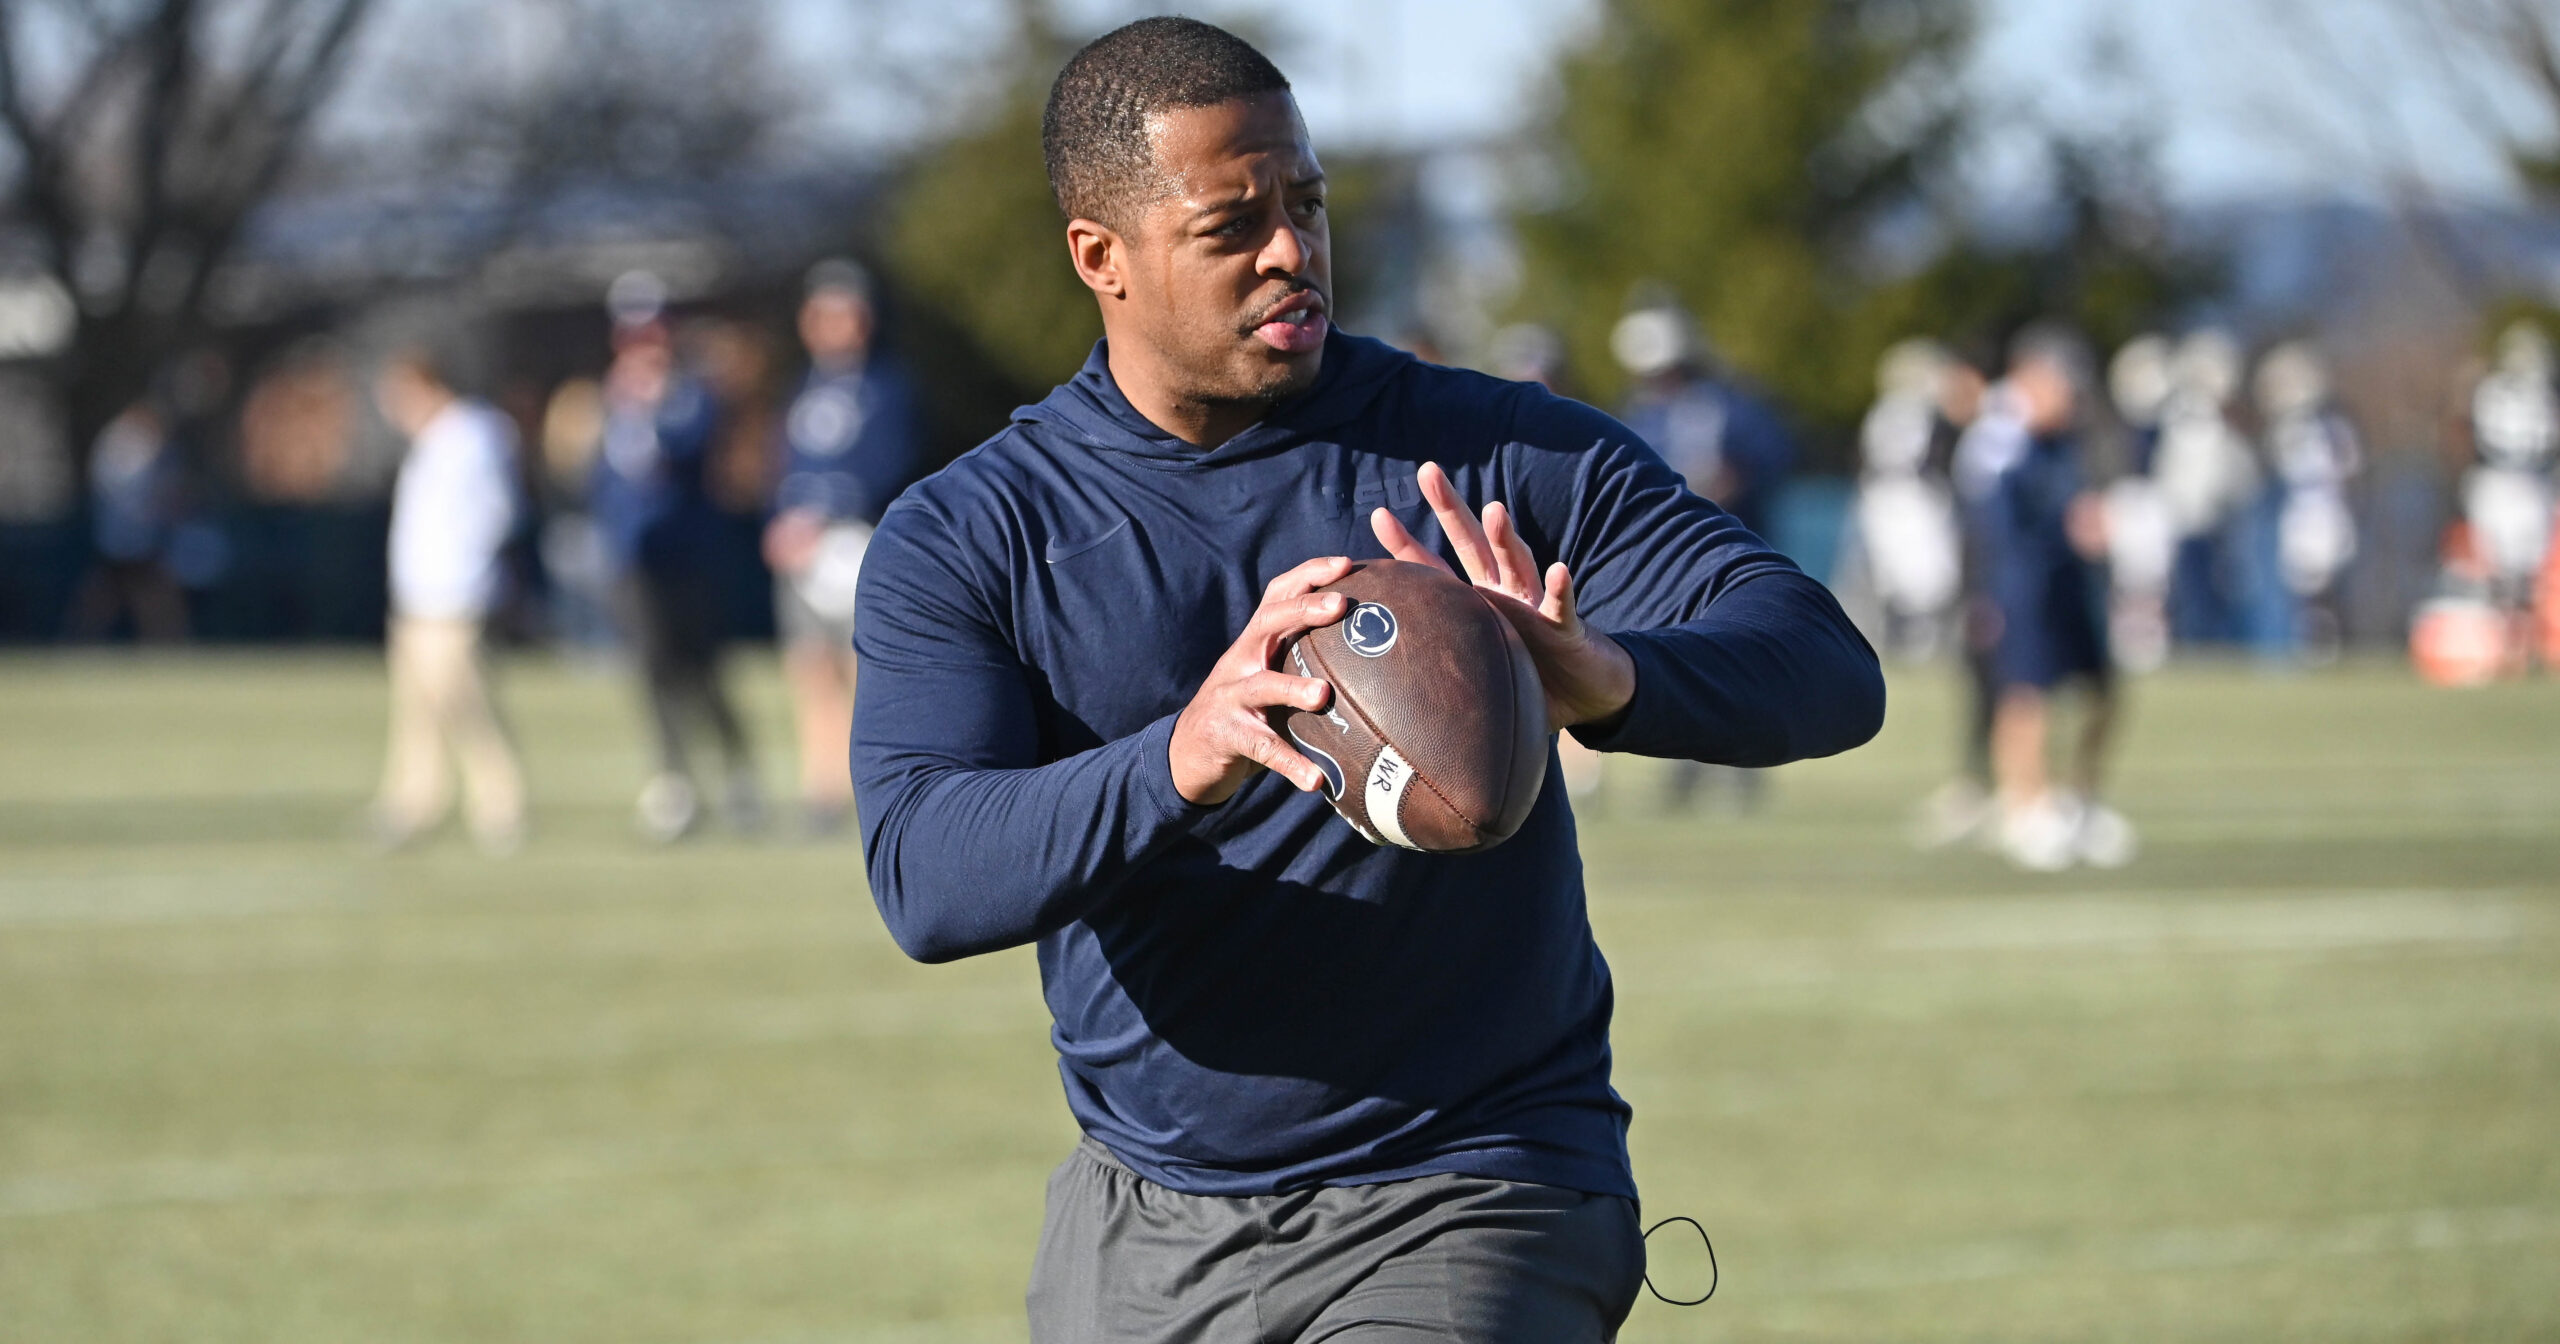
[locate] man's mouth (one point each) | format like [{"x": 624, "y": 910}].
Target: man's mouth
[{"x": 1295, "y": 325}]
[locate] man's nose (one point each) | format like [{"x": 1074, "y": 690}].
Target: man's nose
[{"x": 1285, "y": 254}]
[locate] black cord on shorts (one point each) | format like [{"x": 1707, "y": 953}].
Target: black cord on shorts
[{"x": 1715, "y": 1275}]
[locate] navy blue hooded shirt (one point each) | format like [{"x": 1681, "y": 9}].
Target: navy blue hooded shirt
[{"x": 1249, "y": 997}]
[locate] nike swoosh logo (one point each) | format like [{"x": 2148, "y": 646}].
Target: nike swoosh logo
[{"x": 1063, "y": 550}]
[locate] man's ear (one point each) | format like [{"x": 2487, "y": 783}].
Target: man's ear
[{"x": 1100, "y": 257}]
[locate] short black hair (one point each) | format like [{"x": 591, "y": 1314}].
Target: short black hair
[{"x": 1094, "y": 132}]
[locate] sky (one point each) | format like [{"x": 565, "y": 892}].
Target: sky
[
  {"x": 2243, "y": 102},
  {"x": 2245, "y": 98}
]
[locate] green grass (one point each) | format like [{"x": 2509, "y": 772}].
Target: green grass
[{"x": 2293, "y": 1075}]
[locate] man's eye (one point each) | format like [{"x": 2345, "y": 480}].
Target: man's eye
[{"x": 1234, "y": 228}]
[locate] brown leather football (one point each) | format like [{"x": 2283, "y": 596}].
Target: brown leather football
[{"x": 1436, "y": 736}]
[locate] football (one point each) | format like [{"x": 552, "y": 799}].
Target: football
[{"x": 1436, "y": 735}]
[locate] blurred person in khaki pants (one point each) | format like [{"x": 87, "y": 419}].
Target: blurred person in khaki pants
[{"x": 451, "y": 512}]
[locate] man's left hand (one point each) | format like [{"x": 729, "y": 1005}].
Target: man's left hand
[{"x": 1588, "y": 676}]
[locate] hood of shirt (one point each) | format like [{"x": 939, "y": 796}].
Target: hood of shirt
[{"x": 1090, "y": 409}]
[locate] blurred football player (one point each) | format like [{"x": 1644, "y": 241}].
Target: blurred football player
[
  {"x": 661, "y": 534},
  {"x": 2043, "y": 534},
  {"x": 2313, "y": 450},
  {"x": 455, "y": 503},
  {"x": 2507, "y": 495},
  {"x": 1529, "y": 352},
  {"x": 135, "y": 510},
  {"x": 849, "y": 445},
  {"x": 2209, "y": 480},
  {"x": 1727, "y": 443},
  {"x": 1965, "y": 808},
  {"x": 1905, "y": 511},
  {"x": 2143, "y": 529},
  {"x": 1720, "y": 435}
]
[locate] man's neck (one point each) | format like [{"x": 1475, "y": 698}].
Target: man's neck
[
  {"x": 430, "y": 413},
  {"x": 1201, "y": 423}
]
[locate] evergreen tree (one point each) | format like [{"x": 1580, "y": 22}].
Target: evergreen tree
[
  {"x": 978, "y": 236},
  {"x": 1783, "y": 168}
]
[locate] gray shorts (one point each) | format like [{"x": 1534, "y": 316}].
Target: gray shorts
[{"x": 1439, "y": 1258}]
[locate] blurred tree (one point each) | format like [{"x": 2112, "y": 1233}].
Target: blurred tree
[
  {"x": 977, "y": 234},
  {"x": 1786, "y": 169},
  {"x": 535, "y": 97},
  {"x": 1745, "y": 153},
  {"x": 141, "y": 136}
]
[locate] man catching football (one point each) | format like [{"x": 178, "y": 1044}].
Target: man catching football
[{"x": 1329, "y": 1090}]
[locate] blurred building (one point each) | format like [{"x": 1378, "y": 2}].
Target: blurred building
[{"x": 288, "y": 470}]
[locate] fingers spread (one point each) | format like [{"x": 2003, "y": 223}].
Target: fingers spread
[
  {"x": 1559, "y": 604},
  {"x": 1515, "y": 568},
  {"x": 1400, "y": 543},
  {"x": 1466, "y": 535}
]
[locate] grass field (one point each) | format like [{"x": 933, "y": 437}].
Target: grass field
[{"x": 2294, "y": 1075}]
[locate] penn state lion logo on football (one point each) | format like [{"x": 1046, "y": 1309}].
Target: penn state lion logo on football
[{"x": 1370, "y": 630}]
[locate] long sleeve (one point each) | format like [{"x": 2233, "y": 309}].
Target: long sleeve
[
  {"x": 1741, "y": 659},
  {"x": 973, "y": 843}
]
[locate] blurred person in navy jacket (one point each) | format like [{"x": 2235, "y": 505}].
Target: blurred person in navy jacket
[
  {"x": 849, "y": 445},
  {"x": 452, "y": 510},
  {"x": 2042, "y": 535},
  {"x": 1725, "y": 441},
  {"x": 661, "y": 536},
  {"x": 135, "y": 493}
]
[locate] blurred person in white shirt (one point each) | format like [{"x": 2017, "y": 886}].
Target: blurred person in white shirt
[
  {"x": 452, "y": 510},
  {"x": 2315, "y": 455},
  {"x": 2507, "y": 495}
]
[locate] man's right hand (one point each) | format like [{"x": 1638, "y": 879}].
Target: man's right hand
[{"x": 1225, "y": 733}]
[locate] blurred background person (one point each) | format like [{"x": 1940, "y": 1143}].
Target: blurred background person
[
  {"x": 453, "y": 507},
  {"x": 135, "y": 499},
  {"x": 2043, "y": 535},
  {"x": 2314, "y": 453},
  {"x": 1532, "y": 352},
  {"x": 1722, "y": 437},
  {"x": 652, "y": 507},
  {"x": 1726, "y": 442},
  {"x": 850, "y": 444},
  {"x": 1979, "y": 431},
  {"x": 579, "y": 599},
  {"x": 2142, "y": 528},
  {"x": 2507, "y": 494},
  {"x": 2209, "y": 480},
  {"x": 1905, "y": 511}
]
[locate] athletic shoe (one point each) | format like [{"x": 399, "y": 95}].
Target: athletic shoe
[
  {"x": 2043, "y": 836},
  {"x": 2106, "y": 839},
  {"x": 668, "y": 809}
]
